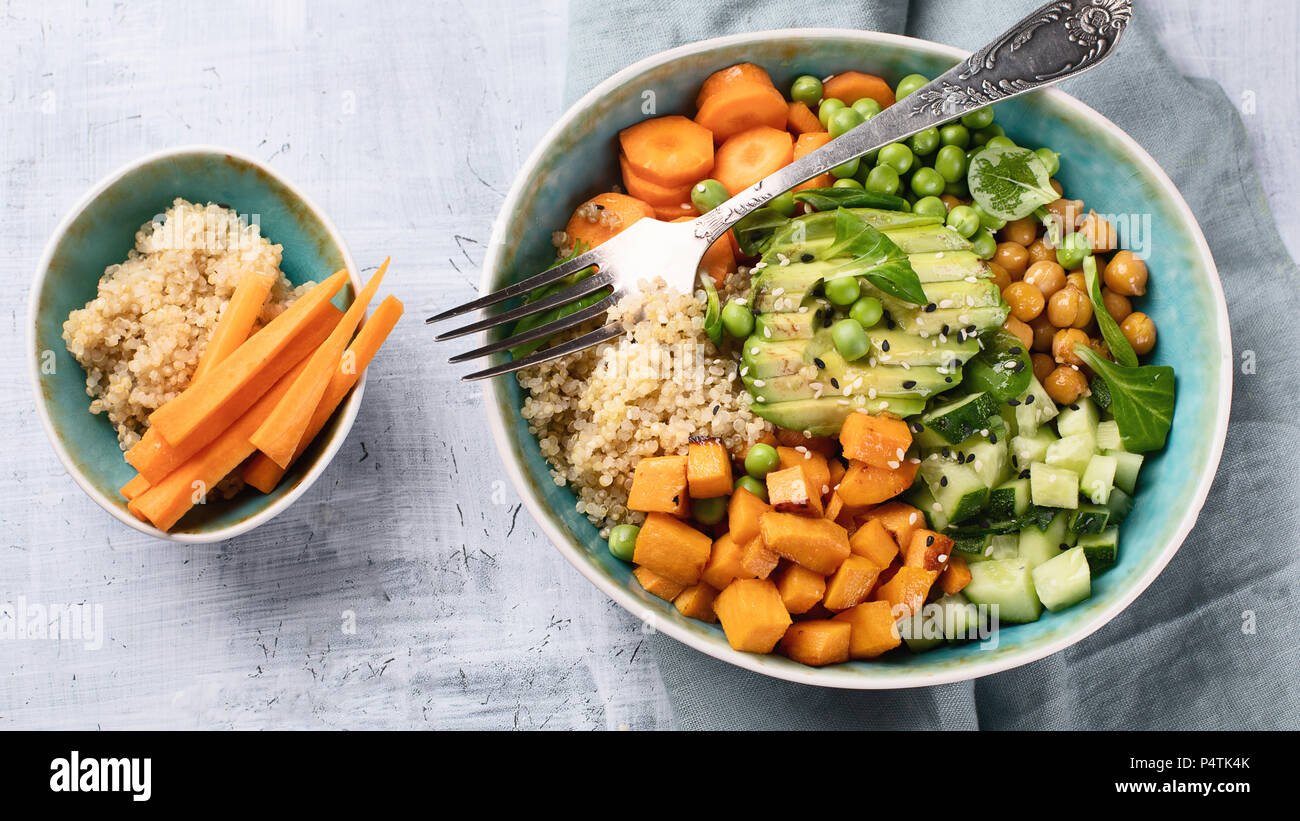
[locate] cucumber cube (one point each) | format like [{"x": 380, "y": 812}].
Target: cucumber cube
[
  {"x": 1072, "y": 452},
  {"x": 1098, "y": 478},
  {"x": 1064, "y": 580},
  {"x": 1127, "y": 466},
  {"x": 960, "y": 617},
  {"x": 988, "y": 459},
  {"x": 973, "y": 548},
  {"x": 1089, "y": 519},
  {"x": 1008, "y": 584},
  {"x": 1030, "y": 449},
  {"x": 1039, "y": 545},
  {"x": 1119, "y": 504},
  {"x": 1082, "y": 417},
  {"x": 1053, "y": 486},
  {"x": 923, "y": 500},
  {"x": 959, "y": 420},
  {"x": 1035, "y": 408},
  {"x": 1008, "y": 500},
  {"x": 1102, "y": 549},
  {"x": 1003, "y": 546},
  {"x": 1108, "y": 436},
  {"x": 957, "y": 488}
]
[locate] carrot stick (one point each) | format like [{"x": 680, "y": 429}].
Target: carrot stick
[
  {"x": 199, "y": 404},
  {"x": 261, "y": 471},
  {"x": 236, "y": 321},
  {"x": 134, "y": 488},
  {"x": 672, "y": 150},
  {"x": 752, "y": 155},
  {"x": 154, "y": 458},
  {"x": 740, "y": 106},
  {"x": 279, "y": 435}
]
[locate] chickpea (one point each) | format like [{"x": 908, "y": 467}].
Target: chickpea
[
  {"x": 1140, "y": 331},
  {"x": 1126, "y": 274},
  {"x": 1077, "y": 280},
  {"x": 1022, "y": 231},
  {"x": 1102, "y": 349},
  {"x": 1064, "y": 307},
  {"x": 1022, "y": 331},
  {"x": 1056, "y": 186},
  {"x": 1046, "y": 275},
  {"x": 1084, "y": 319},
  {"x": 1000, "y": 276},
  {"x": 1065, "y": 385},
  {"x": 1013, "y": 257},
  {"x": 1117, "y": 305},
  {"x": 1025, "y": 300},
  {"x": 1063, "y": 345},
  {"x": 1040, "y": 251},
  {"x": 1099, "y": 232},
  {"x": 1043, "y": 365},
  {"x": 950, "y": 201},
  {"x": 1043, "y": 330},
  {"x": 1067, "y": 212}
]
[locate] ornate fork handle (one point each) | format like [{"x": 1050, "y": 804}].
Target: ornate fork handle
[{"x": 1056, "y": 41}]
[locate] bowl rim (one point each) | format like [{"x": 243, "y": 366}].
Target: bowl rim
[
  {"x": 350, "y": 408},
  {"x": 494, "y": 391}
]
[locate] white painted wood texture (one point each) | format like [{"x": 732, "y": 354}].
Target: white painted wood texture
[{"x": 406, "y": 122}]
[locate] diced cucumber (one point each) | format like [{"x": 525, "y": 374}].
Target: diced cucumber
[
  {"x": 1003, "y": 546},
  {"x": 987, "y": 458},
  {"x": 1119, "y": 503},
  {"x": 1072, "y": 452},
  {"x": 1102, "y": 549},
  {"x": 1098, "y": 478},
  {"x": 957, "y": 488},
  {"x": 1081, "y": 417},
  {"x": 1040, "y": 517},
  {"x": 1089, "y": 519},
  {"x": 960, "y": 617},
  {"x": 1034, "y": 408},
  {"x": 1008, "y": 500},
  {"x": 1053, "y": 486},
  {"x": 1007, "y": 583},
  {"x": 1108, "y": 436},
  {"x": 923, "y": 500},
  {"x": 1030, "y": 448},
  {"x": 1039, "y": 545},
  {"x": 959, "y": 420},
  {"x": 1064, "y": 580},
  {"x": 972, "y": 548},
  {"x": 1127, "y": 466}
]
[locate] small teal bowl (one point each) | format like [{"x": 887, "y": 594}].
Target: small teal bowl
[
  {"x": 1100, "y": 165},
  {"x": 97, "y": 233}
]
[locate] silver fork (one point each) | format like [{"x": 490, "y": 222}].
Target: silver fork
[{"x": 1053, "y": 43}]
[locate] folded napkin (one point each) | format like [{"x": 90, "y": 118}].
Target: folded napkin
[{"x": 1212, "y": 643}]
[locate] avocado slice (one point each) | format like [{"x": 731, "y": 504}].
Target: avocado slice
[{"x": 825, "y": 416}]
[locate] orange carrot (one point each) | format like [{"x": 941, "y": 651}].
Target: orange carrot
[
  {"x": 720, "y": 260},
  {"x": 669, "y": 151},
  {"x": 263, "y": 473},
  {"x": 198, "y": 405},
  {"x": 741, "y": 106},
  {"x": 652, "y": 192},
  {"x": 601, "y": 217},
  {"x": 852, "y": 86},
  {"x": 236, "y": 321},
  {"x": 800, "y": 119},
  {"x": 673, "y": 213},
  {"x": 279, "y": 435},
  {"x": 751, "y": 155},
  {"x": 154, "y": 458},
  {"x": 729, "y": 75},
  {"x": 134, "y": 488},
  {"x": 806, "y": 144}
]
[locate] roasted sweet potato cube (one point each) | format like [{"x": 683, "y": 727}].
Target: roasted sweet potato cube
[
  {"x": 873, "y": 542},
  {"x": 659, "y": 486},
  {"x": 789, "y": 490},
  {"x": 725, "y": 563},
  {"x": 955, "y": 576},
  {"x": 881, "y": 441},
  {"x": 696, "y": 602},
  {"x": 865, "y": 484},
  {"x": 851, "y": 584},
  {"x": 758, "y": 559},
  {"x": 800, "y": 588},
  {"x": 657, "y": 585},
  {"x": 818, "y": 544},
  {"x": 906, "y": 591},
  {"x": 814, "y": 465},
  {"x": 837, "y": 469},
  {"x": 672, "y": 548},
  {"x": 743, "y": 511},
  {"x": 928, "y": 550},
  {"x": 874, "y": 629},
  {"x": 752, "y": 614},
  {"x": 825, "y": 445},
  {"x": 899, "y": 518},
  {"x": 708, "y": 468},
  {"x": 818, "y": 643}
]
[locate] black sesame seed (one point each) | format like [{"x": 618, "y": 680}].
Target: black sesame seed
[
  {"x": 908, "y": 384},
  {"x": 1015, "y": 461},
  {"x": 947, "y": 379},
  {"x": 917, "y": 427},
  {"x": 946, "y": 453},
  {"x": 1074, "y": 407},
  {"x": 943, "y": 481},
  {"x": 1029, "y": 400},
  {"x": 716, "y": 408},
  {"x": 1013, "y": 402},
  {"x": 1018, "y": 365},
  {"x": 819, "y": 363},
  {"x": 1064, "y": 546},
  {"x": 807, "y": 258},
  {"x": 835, "y": 383},
  {"x": 929, "y": 540},
  {"x": 944, "y": 330},
  {"x": 993, "y": 438},
  {"x": 929, "y": 309},
  {"x": 1014, "y": 351},
  {"x": 1024, "y": 474},
  {"x": 890, "y": 324},
  {"x": 884, "y": 345}
]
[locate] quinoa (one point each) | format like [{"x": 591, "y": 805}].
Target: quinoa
[
  {"x": 140, "y": 339},
  {"x": 596, "y": 413}
]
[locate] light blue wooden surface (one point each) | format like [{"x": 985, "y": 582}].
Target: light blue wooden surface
[{"x": 405, "y": 121}]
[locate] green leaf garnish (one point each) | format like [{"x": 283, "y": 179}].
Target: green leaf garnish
[
  {"x": 887, "y": 266},
  {"x": 712, "y": 310},
  {"x": 1009, "y": 182},
  {"x": 1115, "y": 339},
  {"x": 1141, "y": 399}
]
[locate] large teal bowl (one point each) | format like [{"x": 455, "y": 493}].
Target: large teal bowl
[
  {"x": 1102, "y": 166},
  {"x": 97, "y": 233}
]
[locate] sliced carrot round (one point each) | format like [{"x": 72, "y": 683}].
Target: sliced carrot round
[
  {"x": 741, "y": 106},
  {"x": 720, "y": 259},
  {"x": 668, "y": 151},
  {"x": 801, "y": 120},
  {"x": 601, "y": 217},
  {"x": 652, "y": 192},
  {"x": 674, "y": 212},
  {"x": 721, "y": 79},
  {"x": 752, "y": 155},
  {"x": 852, "y": 86},
  {"x": 806, "y": 144}
]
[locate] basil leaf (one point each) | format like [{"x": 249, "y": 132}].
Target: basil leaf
[
  {"x": 1115, "y": 339},
  {"x": 536, "y": 320},
  {"x": 828, "y": 199},
  {"x": 998, "y": 371},
  {"x": 1009, "y": 182},
  {"x": 887, "y": 266},
  {"x": 1141, "y": 399},
  {"x": 756, "y": 229},
  {"x": 712, "y": 311}
]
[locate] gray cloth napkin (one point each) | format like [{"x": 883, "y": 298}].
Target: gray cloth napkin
[{"x": 1183, "y": 655}]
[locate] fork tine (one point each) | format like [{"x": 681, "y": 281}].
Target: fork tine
[
  {"x": 546, "y": 277},
  {"x": 540, "y": 332},
  {"x": 596, "y": 337},
  {"x": 595, "y": 282}
]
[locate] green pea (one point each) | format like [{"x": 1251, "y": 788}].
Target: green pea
[
  {"x": 844, "y": 121},
  {"x": 882, "y": 179},
  {"x": 827, "y": 109},
  {"x": 897, "y": 156},
  {"x": 850, "y": 339},
  {"x": 964, "y": 220},
  {"x": 1074, "y": 248},
  {"x": 950, "y": 162},
  {"x": 761, "y": 460},
  {"x": 848, "y": 169},
  {"x": 987, "y": 220},
  {"x": 708, "y": 194},
  {"x": 807, "y": 90},
  {"x": 783, "y": 204},
  {"x": 957, "y": 189},
  {"x": 709, "y": 511},
  {"x": 924, "y": 142},
  {"x": 979, "y": 118},
  {"x": 984, "y": 244},
  {"x": 983, "y": 135},
  {"x": 1000, "y": 141},
  {"x": 867, "y": 107},
  {"x": 867, "y": 311},
  {"x": 847, "y": 182},
  {"x": 909, "y": 84},
  {"x": 737, "y": 319},
  {"x": 753, "y": 486},
  {"x": 622, "y": 541},
  {"x": 1050, "y": 159},
  {"x": 931, "y": 207},
  {"x": 843, "y": 290},
  {"x": 955, "y": 134},
  {"x": 927, "y": 182}
]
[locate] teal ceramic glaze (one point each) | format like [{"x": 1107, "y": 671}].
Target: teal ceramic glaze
[
  {"x": 1100, "y": 165},
  {"x": 97, "y": 233}
]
